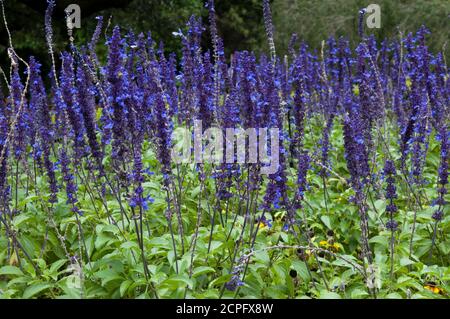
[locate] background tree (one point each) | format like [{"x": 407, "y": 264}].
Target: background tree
[{"x": 240, "y": 22}]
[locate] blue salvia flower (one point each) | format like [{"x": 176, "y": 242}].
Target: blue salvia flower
[
  {"x": 163, "y": 133},
  {"x": 301, "y": 98},
  {"x": 94, "y": 40},
  {"x": 229, "y": 118},
  {"x": 357, "y": 164},
  {"x": 169, "y": 80},
  {"x": 419, "y": 140},
  {"x": 304, "y": 162},
  {"x": 192, "y": 65},
  {"x": 235, "y": 281},
  {"x": 136, "y": 125},
  {"x": 86, "y": 101},
  {"x": 38, "y": 99},
  {"x": 399, "y": 86},
  {"x": 355, "y": 150},
  {"x": 15, "y": 98},
  {"x": 69, "y": 180},
  {"x": 269, "y": 28},
  {"x": 276, "y": 192},
  {"x": 369, "y": 104},
  {"x": 116, "y": 95},
  {"x": 443, "y": 170},
  {"x": 72, "y": 108},
  {"x": 206, "y": 98},
  {"x": 49, "y": 34},
  {"x": 391, "y": 194},
  {"x": 247, "y": 89},
  {"x": 4, "y": 127},
  {"x": 362, "y": 12}
]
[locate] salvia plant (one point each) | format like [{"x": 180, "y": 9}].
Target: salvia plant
[{"x": 92, "y": 203}]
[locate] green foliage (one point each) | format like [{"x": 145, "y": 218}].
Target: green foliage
[
  {"x": 315, "y": 21},
  {"x": 277, "y": 268}
]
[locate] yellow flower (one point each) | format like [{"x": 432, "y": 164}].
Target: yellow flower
[
  {"x": 434, "y": 289},
  {"x": 261, "y": 225},
  {"x": 336, "y": 246},
  {"x": 356, "y": 89},
  {"x": 330, "y": 246},
  {"x": 324, "y": 243},
  {"x": 408, "y": 82}
]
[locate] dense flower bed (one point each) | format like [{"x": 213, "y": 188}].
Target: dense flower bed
[{"x": 92, "y": 205}]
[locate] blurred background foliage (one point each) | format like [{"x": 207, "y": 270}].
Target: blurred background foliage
[{"x": 240, "y": 22}]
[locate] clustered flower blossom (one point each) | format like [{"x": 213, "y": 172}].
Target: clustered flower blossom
[
  {"x": 391, "y": 194},
  {"x": 443, "y": 170}
]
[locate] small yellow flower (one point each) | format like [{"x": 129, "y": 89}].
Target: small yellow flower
[
  {"x": 324, "y": 243},
  {"x": 356, "y": 89},
  {"x": 336, "y": 246},
  {"x": 261, "y": 225},
  {"x": 434, "y": 289},
  {"x": 408, "y": 82},
  {"x": 330, "y": 245}
]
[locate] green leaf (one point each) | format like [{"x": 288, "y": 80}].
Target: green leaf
[
  {"x": 11, "y": 270},
  {"x": 57, "y": 264},
  {"x": 20, "y": 219},
  {"x": 329, "y": 295},
  {"x": 178, "y": 281},
  {"x": 380, "y": 205},
  {"x": 301, "y": 269},
  {"x": 124, "y": 287},
  {"x": 406, "y": 261},
  {"x": 202, "y": 270},
  {"x": 359, "y": 293},
  {"x": 35, "y": 289},
  {"x": 382, "y": 240},
  {"x": 159, "y": 242},
  {"x": 129, "y": 245},
  {"x": 394, "y": 295},
  {"x": 326, "y": 220},
  {"x": 220, "y": 280},
  {"x": 108, "y": 275}
]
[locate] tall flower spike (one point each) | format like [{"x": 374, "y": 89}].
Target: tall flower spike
[
  {"x": 362, "y": 12},
  {"x": 69, "y": 179},
  {"x": 86, "y": 101},
  {"x": 38, "y": 100},
  {"x": 4, "y": 120},
  {"x": 391, "y": 194},
  {"x": 15, "y": 96},
  {"x": 49, "y": 35},
  {"x": 269, "y": 29},
  {"x": 440, "y": 202},
  {"x": 95, "y": 37},
  {"x": 116, "y": 94},
  {"x": 69, "y": 93}
]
